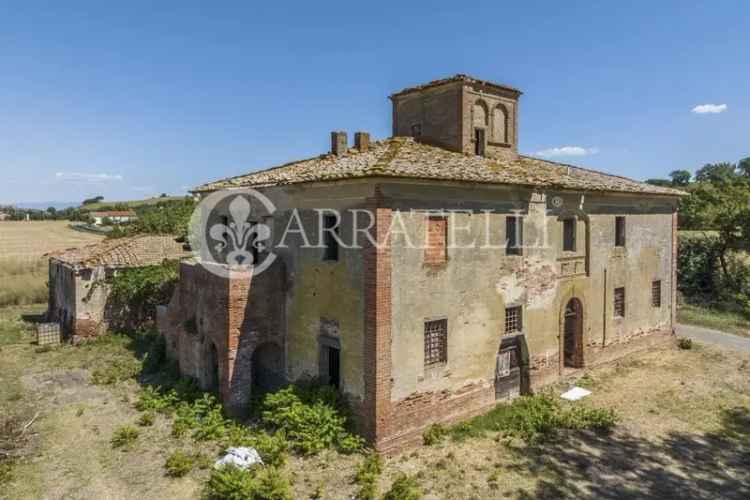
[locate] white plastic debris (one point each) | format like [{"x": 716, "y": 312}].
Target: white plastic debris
[
  {"x": 575, "y": 394},
  {"x": 240, "y": 457}
]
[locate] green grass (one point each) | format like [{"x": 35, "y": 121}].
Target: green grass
[{"x": 725, "y": 321}]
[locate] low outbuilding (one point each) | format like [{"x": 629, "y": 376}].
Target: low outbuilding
[{"x": 78, "y": 289}]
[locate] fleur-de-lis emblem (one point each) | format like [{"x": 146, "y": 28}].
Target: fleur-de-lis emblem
[{"x": 241, "y": 235}]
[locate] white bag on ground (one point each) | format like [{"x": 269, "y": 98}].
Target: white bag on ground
[
  {"x": 240, "y": 457},
  {"x": 575, "y": 394}
]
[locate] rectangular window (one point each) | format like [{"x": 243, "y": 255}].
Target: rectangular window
[
  {"x": 435, "y": 342},
  {"x": 330, "y": 227},
  {"x": 656, "y": 293},
  {"x": 620, "y": 302},
  {"x": 513, "y": 319},
  {"x": 569, "y": 235},
  {"x": 619, "y": 231},
  {"x": 479, "y": 141},
  {"x": 514, "y": 234},
  {"x": 437, "y": 235}
]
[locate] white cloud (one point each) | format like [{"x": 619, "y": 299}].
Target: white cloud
[
  {"x": 703, "y": 109},
  {"x": 87, "y": 178},
  {"x": 567, "y": 151}
]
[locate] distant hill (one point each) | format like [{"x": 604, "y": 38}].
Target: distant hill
[
  {"x": 43, "y": 205},
  {"x": 131, "y": 204}
]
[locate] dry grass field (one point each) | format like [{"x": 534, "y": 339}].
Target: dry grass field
[
  {"x": 683, "y": 432},
  {"x": 23, "y": 269}
]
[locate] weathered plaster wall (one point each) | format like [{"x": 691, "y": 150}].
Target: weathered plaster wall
[{"x": 475, "y": 285}]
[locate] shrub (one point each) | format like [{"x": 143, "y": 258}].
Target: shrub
[
  {"x": 310, "y": 417},
  {"x": 116, "y": 371},
  {"x": 146, "y": 419},
  {"x": 404, "y": 488},
  {"x": 434, "y": 434},
  {"x": 685, "y": 343},
  {"x": 141, "y": 289},
  {"x": 179, "y": 464},
  {"x": 538, "y": 417},
  {"x": 124, "y": 436},
  {"x": 367, "y": 476},
  {"x": 232, "y": 483}
]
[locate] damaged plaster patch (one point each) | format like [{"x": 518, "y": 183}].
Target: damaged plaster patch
[{"x": 533, "y": 283}]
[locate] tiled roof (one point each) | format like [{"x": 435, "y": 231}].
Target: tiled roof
[
  {"x": 405, "y": 158},
  {"x": 456, "y": 78},
  {"x": 131, "y": 251}
]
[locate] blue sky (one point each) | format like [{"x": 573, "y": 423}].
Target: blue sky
[{"x": 129, "y": 99}]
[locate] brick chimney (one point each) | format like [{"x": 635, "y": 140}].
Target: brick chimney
[
  {"x": 339, "y": 143},
  {"x": 362, "y": 141}
]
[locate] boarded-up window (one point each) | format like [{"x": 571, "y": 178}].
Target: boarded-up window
[
  {"x": 620, "y": 302},
  {"x": 435, "y": 342},
  {"x": 620, "y": 231},
  {"x": 437, "y": 234},
  {"x": 513, "y": 319},
  {"x": 514, "y": 234},
  {"x": 569, "y": 235},
  {"x": 479, "y": 141},
  {"x": 656, "y": 293},
  {"x": 503, "y": 364}
]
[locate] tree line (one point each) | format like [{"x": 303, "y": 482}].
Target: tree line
[{"x": 714, "y": 259}]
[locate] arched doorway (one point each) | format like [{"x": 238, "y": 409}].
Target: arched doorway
[
  {"x": 573, "y": 334},
  {"x": 268, "y": 368}
]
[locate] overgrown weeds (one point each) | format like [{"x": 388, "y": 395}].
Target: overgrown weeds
[
  {"x": 367, "y": 477},
  {"x": 530, "y": 418},
  {"x": 124, "y": 437},
  {"x": 312, "y": 417},
  {"x": 257, "y": 483},
  {"x": 179, "y": 464},
  {"x": 404, "y": 488}
]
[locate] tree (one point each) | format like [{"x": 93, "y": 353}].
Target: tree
[
  {"x": 680, "y": 177},
  {"x": 716, "y": 172},
  {"x": 744, "y": 166},
  {"x": 659, "y": 182}
]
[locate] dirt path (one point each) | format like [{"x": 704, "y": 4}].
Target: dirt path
[{"x": 716, "y": 337}]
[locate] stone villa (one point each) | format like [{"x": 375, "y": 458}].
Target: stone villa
[{"x": 584, "y": 273}]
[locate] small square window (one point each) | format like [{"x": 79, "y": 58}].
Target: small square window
[
  {"x": 619, "y": 231},
  {"x": 656, "y": 293},
  {"x": 513, "y": 319},
  {"x": 514, "y": 235},
  {"x": 569, "y": 235},
  {"x": 620, "y": 302},
  {"x": 435, "y": 342},
  {"x": 416, "y": 130}
]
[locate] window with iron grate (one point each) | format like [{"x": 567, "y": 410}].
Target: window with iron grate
[
  {"x": 513, "y": 319},
  {"x": 620, "y": 302},
  {"x": 435, "y": 342},
  {"x": 656, "y": 293}
]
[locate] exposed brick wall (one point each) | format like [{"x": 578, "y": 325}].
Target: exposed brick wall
[
  {"x": 437, "y": 232},
  {"x": 376, "y": 407},
  {"x": 411, "y": 415}
]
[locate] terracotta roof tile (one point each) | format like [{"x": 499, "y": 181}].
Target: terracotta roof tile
[
  {"x": 404, "y": 157},
  {"x": 132, "y": 251}
]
